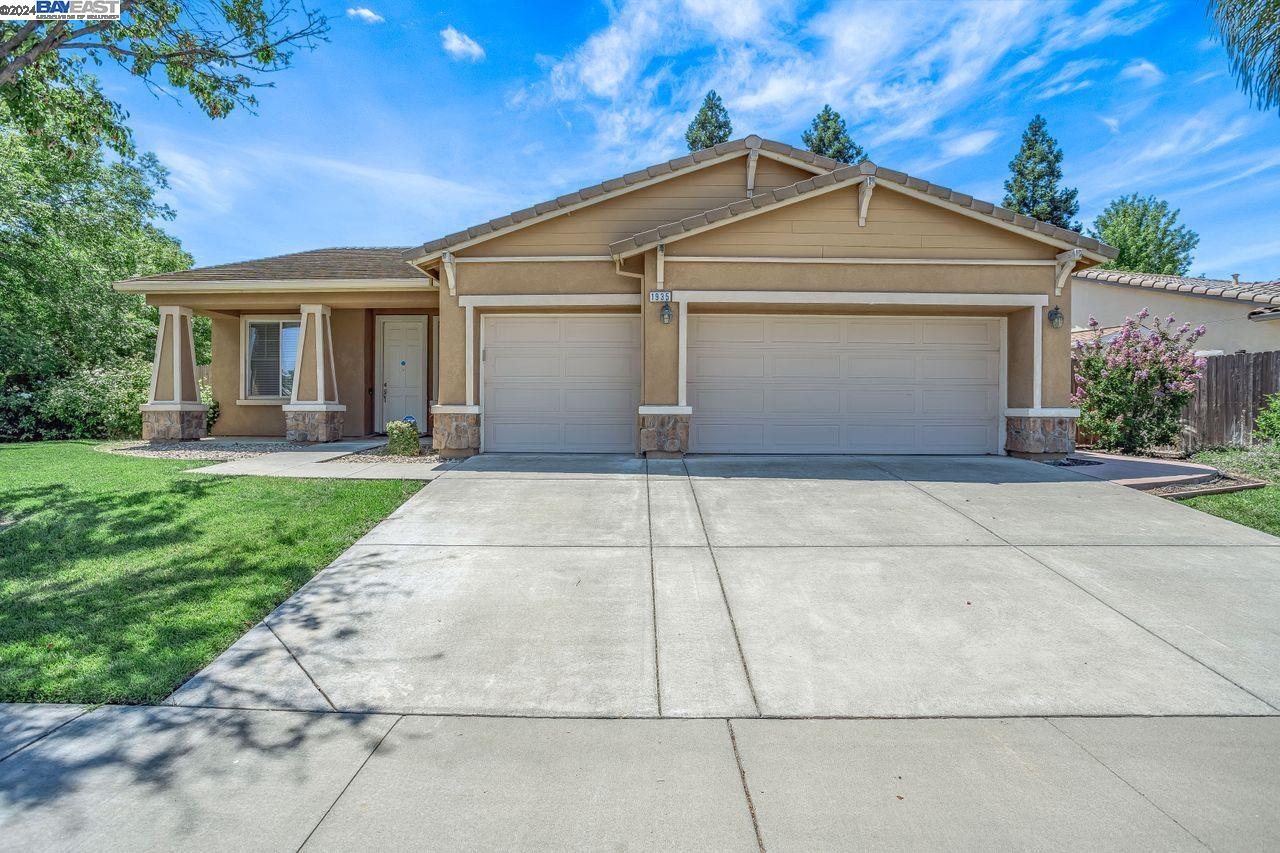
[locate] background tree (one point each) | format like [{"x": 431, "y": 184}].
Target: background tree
[
  {"x": 710, "y": 126},
  {"x": 215, "y": 50},
  {"x": 828, "y": 136},
  {"x": 1035, "y": 172},
  {"x": 1250, "y": 31},
  {"x": 1147, "y": 234}
]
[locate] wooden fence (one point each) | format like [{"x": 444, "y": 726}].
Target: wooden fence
[{"x": 1232, "y": 391}]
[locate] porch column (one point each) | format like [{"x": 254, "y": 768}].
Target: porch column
[
  {"x": 455, "y": 418},
  {"x": 173, "y": 411},
  {"x": 664, "y": 414},
  {"x": 313, "y": 412}
]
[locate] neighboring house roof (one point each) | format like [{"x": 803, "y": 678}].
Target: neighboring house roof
[
  {"x": 343, "y": 263},
  {"x": 1266, "y": 292},
  {"x": 617, "y": 186},
  {"x": 852, "y": 175}
]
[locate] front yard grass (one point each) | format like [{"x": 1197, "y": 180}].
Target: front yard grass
[
  {"x": 121, "y": 576},
  {"x": 1256, "y": 508}
]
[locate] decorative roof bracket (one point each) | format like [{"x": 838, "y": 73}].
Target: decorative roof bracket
[
  {"x": 752, "y": 157},
  {"x": 864, "y": 198},
  {"x": 1066, "y": 265},
  {"x": 451, "y": 272}
]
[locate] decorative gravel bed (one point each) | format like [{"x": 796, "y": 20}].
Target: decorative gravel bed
[
  {"x": 380, "y": 454},
  {"x": 220, "y": 452}
]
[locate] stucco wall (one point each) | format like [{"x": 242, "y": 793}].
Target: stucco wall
[
  {"x": 590, "y": 230},
  {"x": 351, "y": 345},
  {"x": 1227, "y": 325},
  {"x": 827, "y": 226}
]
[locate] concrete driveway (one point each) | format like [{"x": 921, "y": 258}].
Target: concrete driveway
[{"x": 879, "y": 652}]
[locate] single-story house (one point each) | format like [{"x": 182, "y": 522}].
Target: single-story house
[
  {"x": 1237, "y": 315},
  {"x": 748, "y": 298}
]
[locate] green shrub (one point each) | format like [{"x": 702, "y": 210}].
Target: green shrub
[
  {"x": 402, "y": 439},
  {"x": 206, "y": 397},
  {"x": 96, "y": 403},
  {"x": 1268, "y": 424},
  {"x": 1131, "y": 388}
]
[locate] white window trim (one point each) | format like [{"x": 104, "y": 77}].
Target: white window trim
[{"x": 245, "y": 319}]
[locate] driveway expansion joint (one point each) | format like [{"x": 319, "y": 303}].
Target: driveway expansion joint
[
  {"x": 724, "y": 595},
  {"x": 298, "y": 663},
  {"x": 1128, "y": 784},
  {"x": 746, "y": 787},
  {"x": 367, "y": 758}
]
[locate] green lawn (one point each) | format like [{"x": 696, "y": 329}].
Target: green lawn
[
  {"x": 121, "y": 576},
  {"x": 1256, "y": 508}
]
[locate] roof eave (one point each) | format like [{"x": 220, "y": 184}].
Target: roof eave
[{"x": 274, "y": 285}]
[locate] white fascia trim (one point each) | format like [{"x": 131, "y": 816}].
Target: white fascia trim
[
  {"x": 541, "y": 299},
  {"x": 745, "y": 259},
  {"x": 534, "y": 259},
  {"x": 1042, "y": 413},
  {"x": 665, "y": 410},
  {"x": 989, "y": 219},
  {"x": 314, "y": 407},
  {"x": 560, "y": 211},
  {"x": 174, "y": 407},
  {"x": 806, "y": 297},
  {"x": 447, "y": 409},
  {"x": 741, "y": 217},
  {"x": 268, "y": 286}
]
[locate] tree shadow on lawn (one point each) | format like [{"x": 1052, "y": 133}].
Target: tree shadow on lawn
[{"x": 119, "y": 596}]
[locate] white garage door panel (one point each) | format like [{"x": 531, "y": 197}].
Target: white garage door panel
[
  {"x": 561, "y": 383},
  {"x": 792, "y": 384}
]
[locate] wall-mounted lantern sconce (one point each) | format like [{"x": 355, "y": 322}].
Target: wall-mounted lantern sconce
[
  {"x": 1055, "y": 317},
  {"x": 666, "y": 314}
]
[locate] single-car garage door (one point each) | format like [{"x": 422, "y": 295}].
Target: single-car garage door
[
  {"x": 560, "y": 383},
  {"x": 793, "y": 384}
]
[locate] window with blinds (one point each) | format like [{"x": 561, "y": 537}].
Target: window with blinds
[{"x": 271, "y": 351}]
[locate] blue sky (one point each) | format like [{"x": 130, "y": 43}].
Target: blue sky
[{"x": 415, "y": 120}]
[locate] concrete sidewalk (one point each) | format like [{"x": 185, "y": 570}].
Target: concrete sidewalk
[
  {"x": 323, "y": 461},
  {"x": 137, "y": 778}
]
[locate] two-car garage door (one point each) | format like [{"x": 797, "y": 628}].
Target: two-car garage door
[
  {"x": 757, "y": 384},
  {"x": 792, "y": 384}
]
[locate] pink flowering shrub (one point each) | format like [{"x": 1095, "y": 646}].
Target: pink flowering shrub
[{"x": 1131, "y": 389}]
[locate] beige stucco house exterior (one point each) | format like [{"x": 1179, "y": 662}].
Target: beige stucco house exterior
[
  {"x": 749, "y": 298},
  {"x": 1237, "y": 315}
]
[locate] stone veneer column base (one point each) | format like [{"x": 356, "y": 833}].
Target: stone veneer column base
[
  {"x": 455, "y": 435},
  {"x": 1039, "y": 437},
  {"x": 174, "y": 424},
  {"x": 664, "y": 436},
  {"x": 313, "y": 424}
]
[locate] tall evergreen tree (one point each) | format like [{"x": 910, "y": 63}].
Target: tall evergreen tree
[
  {"x": 710, "y": 126},
  {"x": 829, "y": 137},
  {"x": 1147, "y": 234},
  {"x": 1032, "y": 188}
]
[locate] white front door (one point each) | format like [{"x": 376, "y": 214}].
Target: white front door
[
  {"x": 403, "y": 373},
  {"x": 821, "y": 384},
  {"x": 561, "y": 383}
]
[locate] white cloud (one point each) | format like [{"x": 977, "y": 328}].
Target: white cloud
[
  {"x": 1069, "y": 78},
  {"x": 1144, "y": 71},
  {"x": 1113, "y": 124},
  {"x": 459, "y": 45},
  {"x": 365, "y": 14},
  {"x": 969, "y": 144}
]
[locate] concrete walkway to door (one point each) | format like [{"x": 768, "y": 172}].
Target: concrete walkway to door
[{"x": 721, "y": 653}]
